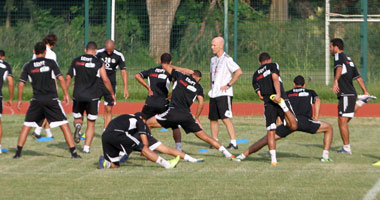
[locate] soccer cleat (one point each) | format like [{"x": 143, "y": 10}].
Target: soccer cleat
[
  {"x": 211, "y": 147},
  {"x": 343, "y": 151},
  {"x": 75, "y": 156},
  {"x": 86, "y": 152},
  {"x": 16, "y": 156},
  {"x": 376, "y": 163},
  {"x": 200, "y": 159},
  {"x": 273, "y": 96},
  {"x": 174, "y": 162},
  {"x": 76, "y": 133},
  {"x": 235, "y": 159},
  {"x": 326, "y": 160},
  {"x": 274, "y": 163},
  {"x": 36, "y": 136},
  {"x": 102, "y": 163},
  {"x": 230, "y": 146},
  {"x": 366, "y": 98}
]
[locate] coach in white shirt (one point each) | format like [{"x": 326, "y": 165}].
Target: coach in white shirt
[
  {"x": 50, "y": 42},
  {"x": 224, "y": 73}
]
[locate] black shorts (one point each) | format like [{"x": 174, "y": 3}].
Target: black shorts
[
  {"x": 90, "y": 107},
  {"x": 346, "y": 106},
  {"x": 108, "y": 100},
  {"x": 51, "y": 109},
  {"x": 153, "y": 142},
  {"x": 150, "y": 111},
  {"x": 114, "y": 142},
  {"x": 220, "y": 108},
  {"x": 272, "y": 111},
  {"x": 304, "y": 124},
  {"x": 173, "y": 117}
]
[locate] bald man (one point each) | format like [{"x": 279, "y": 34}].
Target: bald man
[
  {"x": 113, "y": 60},
  {"x": 224, "y": 73}
]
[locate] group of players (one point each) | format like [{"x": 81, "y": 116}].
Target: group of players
[{"x": 94, "y": 74}]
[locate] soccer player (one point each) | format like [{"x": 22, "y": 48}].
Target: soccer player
[
  {"x": 125, "y": 134},
  {"x": 344, "y": 73},
  {"x": 42, "y": 72},
  {"x": 158, "y": 89},
  {"x": 6, "y": 74},
  {"x": 186, "y": 90},
  {"x": 87, "y": 69},
  {"x": 224, "y": 72},
  {"x": 50, "y": 42},
  {"x": 113, "y": 60},
  {"x": 268, "y": 85},
  {"x": 302, "y": 100}
]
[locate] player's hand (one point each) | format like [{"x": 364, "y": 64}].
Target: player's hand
[
  {"x": 126, "y": 94},
  {"x": 66, "y": 99},
  {"x": 19, "y": 103},
  {"x": 150, "y": 92},
  {"x": 277, "y": 98},
  {"x": 199, "y": 123},
  {"x": 114, "y": 99},
  {"x": 9, "y": 102},
  {"x": 224, "y": 88},
  {"x": 335, "y": 87},
  {"x": 188, "y": 71},
  {"x": 366, "y": 93}
]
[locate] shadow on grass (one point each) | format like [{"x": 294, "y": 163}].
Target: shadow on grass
[
  {"x": 376, "y": 157},
  {"x": 35, "y": 153},
  {"x": 200, "y": 143},
  {"x": 320, "y": 146},
  {"x": 60, "y": 145}
]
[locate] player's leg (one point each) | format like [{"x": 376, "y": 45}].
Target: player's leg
[
  {"x": 214, "y": 143},
  {"x": 90, "y": 132},
  {"x": 174, "y": 152},
  {"x": 108, "y": 104},
  {"x": 290, "y": 118},
  {"x": 177, "y": 138},
  {"x": 46, "y": 126},
  {"x": 153, "y": 123},
  {"x": 107, "y": 115},
  {"x": 1, "y": 134},
  {"x": 346, "y": 111},
  {"x": 69, "y": 140},
  {"x": 327, "y": 129},
  {"x": 344, "y": 133},
  {"x": 21, "y": 140},
  {"x": 213, "y": 116},
  {"x": 150, "y": 155},
  {"x": 224, "y": 106},
  {"x": 78, "y": 111},
  {"x": 231, "y": 131}
]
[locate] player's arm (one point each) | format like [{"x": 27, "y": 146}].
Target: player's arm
[
  {"x": 317, "y": 108},
  {"x": 21, "y": 85},
  {"x": 362, "y": 85},
  {"x": 106, "y": 81},
  {"x": 258, "y": 92},
  {"x": 338, "y": 73},
  {"x": 235, "y": 77},
  {"x": 68, "y": 80},
  {"x": 124, "y": 76},
  {"x": 183, "y": 70},
  {"x": 277, "y": 87},
  {"x": 140, "y": 79},
  {"x": 199, "y": 109},
  {"x": 11, "y": 89},
  {"x": 62, "y": 82}
]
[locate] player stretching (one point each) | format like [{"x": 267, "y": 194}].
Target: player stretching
[
  {"x": 344, "y": 73},
  {"x": 125, "y": 134},
  {"x": 302, "y": 101},
  {"x": 42, "y": 72},
  {"x": 113, "y": 60},
  {"x": 268, "y": 85},
  {"x": 87, "y": 69},
  {"x": 6, "y": 74},
  {"x": 185, "y": 90}
]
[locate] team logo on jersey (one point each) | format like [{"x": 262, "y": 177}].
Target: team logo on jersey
[
  {"x": 162, "y": 76},
  {"x": 113, "y": 60},
  {"x": 80, "y": 63},
  {"x": 2, "y": 66},
  {"x": 90, "y": 65},
  {"x": 191, "y": 88},
  {"x": 44, "y": 69}
]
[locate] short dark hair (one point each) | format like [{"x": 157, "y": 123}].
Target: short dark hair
[
  {"x": 91, "y": 46},
  {"x": 2, "y": 53},
  {"x": 198, "y": 73},
  {"x": 166, "y": 58},
  {"x": 337, "y": 42},
  {"x": 299, "y": 80},
  {"x": 264, "y": 56},
  {"x": 140, "y": 114},
  {"x": 50, "y": 39},
  {"x": 39, "y": 48}
]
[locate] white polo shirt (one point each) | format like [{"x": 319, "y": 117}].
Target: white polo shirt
[
  {"x": 49, "y": 54},
  {"x": 221, "y": 70}
]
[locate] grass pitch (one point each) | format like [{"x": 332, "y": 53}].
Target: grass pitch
[{"x": 46, "y": 171}]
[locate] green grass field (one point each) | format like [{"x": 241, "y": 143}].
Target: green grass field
[{"x": 46, "y": 171}]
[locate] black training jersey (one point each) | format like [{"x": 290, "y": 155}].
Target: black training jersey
[
  {"x": 41, "y": 73},
  {"x": 85, "y": 69},
  {"x": 302, "y": 101},
  {"x": 159, "y": 82},
  {"x": 130, "y": 124},
  {"x": 262, "y": 80},
  {"x": 111, "y": 62},
  {"x": 349, "y": 73},
  {"x": 185, "y": 90},
  {"x": 5, "y": 71}
]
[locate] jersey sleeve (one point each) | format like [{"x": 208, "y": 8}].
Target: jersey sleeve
[
  {"x": 338, "y": 60},
  {"x": 71, "y": 69},
  {"x": 145, "y": 74},
  {"x": 355, "y": 74},
  {"x": 231, "y": 65},
  {"x": 314, "y": 95},
  {"x": 55, "y": 69},
  {"x": 200, "y": 90},
  {"x": 141, "y": 127},
  {"x": 255, "y": 84},
  {"x": 122, "y": 63},
  {"x": 24, "y": 74},
  {"x": 176, "y": 74},
  {"x": 9, "y": 69},
  {"x": 275, "y": 69}
]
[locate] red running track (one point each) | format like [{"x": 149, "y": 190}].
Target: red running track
[{"x": 240, "y": 109}]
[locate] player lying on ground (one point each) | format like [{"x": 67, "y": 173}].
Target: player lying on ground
[
  {"x": 301, "y": 99},
  {"x": 125, "y": 134},
  {"x": 268, "y": 85},
  {"x": 186, "y": 89},
  {"x": 42, "y": 72}
]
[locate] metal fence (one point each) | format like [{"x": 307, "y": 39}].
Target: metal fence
[{"x": 293, "y": 35}]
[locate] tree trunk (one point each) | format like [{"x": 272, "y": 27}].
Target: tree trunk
[
  {"x": 9, "y": 7},
  {"x": 279, "y": 10},
  {"x": 161, "y": 16}
]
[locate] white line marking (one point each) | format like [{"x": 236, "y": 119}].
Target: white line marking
[{"x": 371, "y": 194}]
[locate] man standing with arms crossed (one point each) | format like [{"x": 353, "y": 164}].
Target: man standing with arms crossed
[
  {"x": 224, "y": 72},
  {"x": 113, "y": 60},
  {"x": 344, "y": 73}
]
